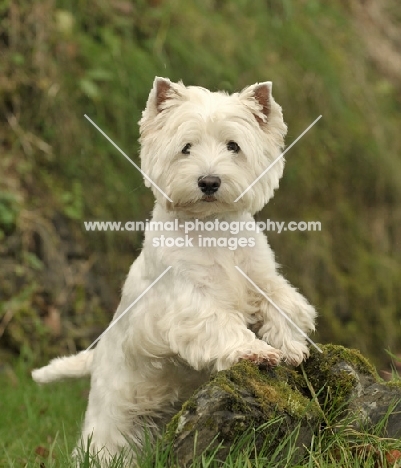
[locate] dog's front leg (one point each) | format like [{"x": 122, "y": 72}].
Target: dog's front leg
[
  {"x": 278, "y": 330},
  {"x": 217, "y": 339},
  {"x": 286, "y": 308}
]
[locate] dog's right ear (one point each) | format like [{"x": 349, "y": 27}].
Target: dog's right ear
[
  {"x": 162, "y": 92},
  {"x": 163, "y": 89}
]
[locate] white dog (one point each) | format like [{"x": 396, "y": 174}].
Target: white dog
[{"x": 203, "y": 149}]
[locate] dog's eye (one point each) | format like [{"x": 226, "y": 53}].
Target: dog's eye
[
  {"x": 186, "y": 149},
  {"x": 232, "y": 146}
]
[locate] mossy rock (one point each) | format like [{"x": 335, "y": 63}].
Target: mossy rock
[
  {"x": 335, "y": 374},
  {"x": 238, "y": 399},
  {"x": 349, "y": 388},
  {"x": 337, "y": 386}
]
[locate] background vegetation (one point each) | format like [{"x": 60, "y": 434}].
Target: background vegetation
[{"x": 61, "y": 59}]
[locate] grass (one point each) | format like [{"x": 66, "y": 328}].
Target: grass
[
  {"x": 39, "y": 427},
  {"x": 34, "y": 418}
]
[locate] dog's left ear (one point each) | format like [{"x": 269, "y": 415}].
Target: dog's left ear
[{"x": 261, "y": 95}]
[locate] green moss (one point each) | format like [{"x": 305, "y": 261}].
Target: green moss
[
  {"x": 394, "y": 384},
  {"x": 210, "y": 423},
  {"x": 276, "y": 403},
  {"x": 171, "y": 428},
  {"x": 232, "y": 389},
  {"x": 334, "y": 354},
  {"x": 275, "y": 391},
  {"x": 334, "y": 386}
]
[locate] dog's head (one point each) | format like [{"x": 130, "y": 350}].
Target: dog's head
[{"x": 204, "y": 149}]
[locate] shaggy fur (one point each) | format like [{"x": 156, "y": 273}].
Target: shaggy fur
[{"x": 198, "y": 318}]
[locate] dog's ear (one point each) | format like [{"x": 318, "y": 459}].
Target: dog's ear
[
  {"x": 163, "y": 90},
  {"x": 260, "y": 93}
]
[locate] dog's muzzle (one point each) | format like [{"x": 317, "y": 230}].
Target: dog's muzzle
[{"x": 209, "y": 184}]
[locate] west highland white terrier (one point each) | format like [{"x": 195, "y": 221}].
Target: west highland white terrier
[{"x": 202, "y": 149}]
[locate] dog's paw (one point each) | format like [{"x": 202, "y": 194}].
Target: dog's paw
[
  {"x": 265, "y": 358},
  {"x": 294, "y": 353}
]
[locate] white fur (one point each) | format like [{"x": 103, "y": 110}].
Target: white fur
[
  {"x": 196, "y": 319},
  {"x": 74, "y": 366}
]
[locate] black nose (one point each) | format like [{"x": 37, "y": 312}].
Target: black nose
[{"x": 209, "y": 184}]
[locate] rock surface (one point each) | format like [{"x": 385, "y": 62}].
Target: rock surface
[
  {"x": 351, "y": 386},
  {"x": 282, "y": 401}
]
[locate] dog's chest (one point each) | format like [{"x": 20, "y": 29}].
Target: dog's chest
[{"x": 213, "y": 271}]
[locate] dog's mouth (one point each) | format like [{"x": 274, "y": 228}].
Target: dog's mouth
[{"x": 209, "y": 198}]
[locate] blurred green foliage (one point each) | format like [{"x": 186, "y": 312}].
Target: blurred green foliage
[
  {"x": 8, "y": 212},
  {"x": 63, "y": 59}
]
